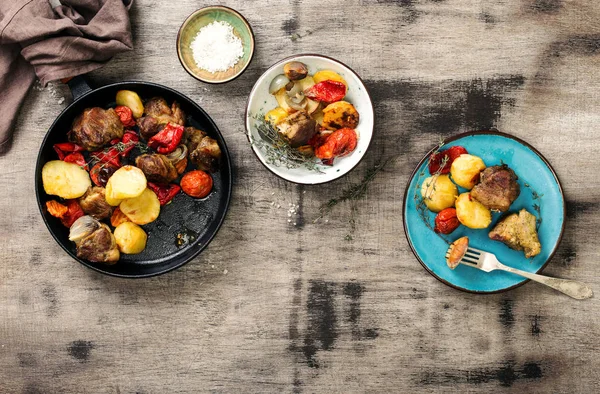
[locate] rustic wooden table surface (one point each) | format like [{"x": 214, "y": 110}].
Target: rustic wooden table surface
[{"x": 273, "y": 307}]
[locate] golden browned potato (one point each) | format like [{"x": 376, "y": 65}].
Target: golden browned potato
[
  {"x": 339, "y": 115},
  {"x": 66, "y": 180},
  {"x": 438, "y": 192},
  {"x": 108, "y": 195},
  {"x": 328, "y": 75},
  {"x": 132, "y": 100},
  {"x": 127, "y": 182},
  {"x": 471, "y": 212},
  {"x": 130, "y": 237},
  {"x": 276, "y": 116},
  {"x": 465, "y": 170},
  {"x": 142, "y": 209}
]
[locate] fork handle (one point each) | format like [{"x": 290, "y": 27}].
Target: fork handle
[{"x": 572, "y": 288}]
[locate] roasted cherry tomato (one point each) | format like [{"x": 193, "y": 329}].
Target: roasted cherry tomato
[
  {"x": 64, "y": 148},
  {"x": 74, "y": 212},
  {"x": 449, "y": 155},
  {"x": 167, "y": 139},
  {"x": 328, "y": 91},
  {"x": 446, "y": 221},
  {"x": 125, "y": 115},
  {"x": 196, "y": 183},
  {"x": 101, "y": 172},
  {"x": 129, "y": 141},
  {"x": 165, "y": 193},
  {"x": 339, "y": 143},
  {"x": 111, "y": 156},
  {"x": 76, "y": 158}
]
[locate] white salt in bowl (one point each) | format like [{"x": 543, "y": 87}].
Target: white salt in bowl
[
  {"x": 261, "y": 101},
  {"x": 196, "y": 21}
]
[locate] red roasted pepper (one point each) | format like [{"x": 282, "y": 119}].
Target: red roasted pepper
[
  {"x": 317, "y": 140},
  {"x": 446, "y": 158},
  {"x": 110, "y": 156},
  {"x": 167, "y": 139},
  {"x": 129, "y": 141},
  {"x": 125, "y": 115},
  {"x": 339, "y": 143},
  {"x": 327, "y": 91},
  {"x": 64, "y": 148},
  {"x": 76, "y": 158},
  {"x": 165, "y": 193},
  {"x": 74, "y": 212}
]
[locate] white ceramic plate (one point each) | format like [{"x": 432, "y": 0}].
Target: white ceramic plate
[{"x": 260, "y": 102}]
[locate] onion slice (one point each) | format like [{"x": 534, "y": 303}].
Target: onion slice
[
  {"x": 278, "y": 83},
  {"x": 83, "y": 227}
]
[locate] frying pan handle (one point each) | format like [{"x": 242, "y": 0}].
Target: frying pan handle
[{"x": 79, "y": 86}]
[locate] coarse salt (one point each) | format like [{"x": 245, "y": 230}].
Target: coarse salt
[{"x": 216, "y": 47}]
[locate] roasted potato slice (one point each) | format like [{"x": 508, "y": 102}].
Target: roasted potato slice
[
  {"x": 471, "y": 212},
  {"x": 127, "y": 182},
  {"x": 438, "y": 192},
  {"x": 339, "y": 115},
  {"x": 465, "y": 170},
  {"x": 66, "y": 180},
  {"x": 108, "y": 195},
  {"x": 131, "y": 99},
  {"x": 131, "y": 238},
  {"x": 142, "y": 209},
  {"x": 276, "y": 116},
  {"x": 329, "y": 75}
]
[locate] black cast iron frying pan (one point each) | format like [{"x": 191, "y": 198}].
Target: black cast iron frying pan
[{"x": 184, "y": 227}]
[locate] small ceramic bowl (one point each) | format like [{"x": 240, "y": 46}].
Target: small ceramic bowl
[
  {"x": 261, "y": 101},
  {"x": 202, "y": 17}
]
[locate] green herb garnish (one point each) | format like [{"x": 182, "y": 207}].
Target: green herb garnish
[{"x": 278, "y": 151}]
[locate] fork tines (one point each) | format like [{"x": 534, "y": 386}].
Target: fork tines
[{"x": 471, "y": 256}]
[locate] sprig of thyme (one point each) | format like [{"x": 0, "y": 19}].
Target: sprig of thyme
[
  {"x": 354, "y": 192},
  {"x": 420, "y": 204},
  {"x": 120, "y": 147},
  {"x": 535, "y": 196},
  {"x": 278, "y": 151}
]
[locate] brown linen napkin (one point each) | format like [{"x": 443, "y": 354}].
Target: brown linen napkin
[{"x": 54, "y": 39}]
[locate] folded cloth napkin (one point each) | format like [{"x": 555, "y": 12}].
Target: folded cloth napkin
[{"x": 54, "y": 39}]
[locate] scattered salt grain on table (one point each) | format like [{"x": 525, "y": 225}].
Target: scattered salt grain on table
[{"x": 216, "y": 48}]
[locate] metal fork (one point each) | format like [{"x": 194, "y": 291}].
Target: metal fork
[{"x": 487, "y": 262}]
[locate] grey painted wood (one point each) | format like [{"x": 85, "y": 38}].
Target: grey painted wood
[{"x": 272, "y": 307}]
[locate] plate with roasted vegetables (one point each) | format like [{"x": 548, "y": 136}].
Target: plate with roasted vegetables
[
  {"x": 488, "y": 190},
  {"x": 133, "y": 179},
  {"x": 309, "y": 119}
]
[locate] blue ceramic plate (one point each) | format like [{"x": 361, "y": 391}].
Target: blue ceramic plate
[{"x": 535, "y": 176}]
